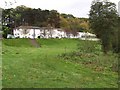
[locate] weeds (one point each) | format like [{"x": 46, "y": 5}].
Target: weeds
[{"x": 90, "y": 54}]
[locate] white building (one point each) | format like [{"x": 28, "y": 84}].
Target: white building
[
  {"x": 27, "y": 32},
  {"x": 44, "y": 32},
  {"x": 37, "y": 32}
]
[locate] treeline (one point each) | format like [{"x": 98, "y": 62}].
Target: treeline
[{"x": 22, "y": 15}]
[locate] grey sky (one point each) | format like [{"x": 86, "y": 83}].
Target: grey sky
[
  {"x": 119, "y": 8},
  {"x": 79, "y": 8}
]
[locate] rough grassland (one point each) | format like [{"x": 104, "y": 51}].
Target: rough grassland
[{"x": 25, "y": 66}]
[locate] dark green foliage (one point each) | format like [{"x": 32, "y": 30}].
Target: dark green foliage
[
  {"x": 23, "y": 15},
  {"x": 67, "y": 15},
  {"x": 116, "y": 39},
  {"x": 118, "y": 34},
  {"x": 6, "y": 30},
  {"x": 103, "y": 21},
  {"x": 54, "y": 19}
]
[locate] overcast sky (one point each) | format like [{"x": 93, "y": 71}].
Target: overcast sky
[{"x": 78, "y": 8}]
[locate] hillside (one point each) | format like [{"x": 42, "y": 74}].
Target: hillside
[
  {"x": 26, "y": 16},
  {"x": 51, "y": 66}
]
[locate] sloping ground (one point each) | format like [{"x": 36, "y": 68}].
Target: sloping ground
[{"x": 29, "y": 67}]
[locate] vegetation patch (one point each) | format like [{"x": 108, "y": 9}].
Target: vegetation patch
[
  {"x": 90, "y": 54},
  {"x": 93, "y": 61}
]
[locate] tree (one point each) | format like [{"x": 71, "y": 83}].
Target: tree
[
  {"x": 118, "y": 34},
  {"x": 54, "y": 19},
  {"x": 116, "y": 40},
  {"x": 103, "y": 20},
  {"x": 7, "y": 21},
  {"x": 64, "y": 23},
  {"x": 85, "y": 26}
]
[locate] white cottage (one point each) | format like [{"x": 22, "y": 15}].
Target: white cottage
[
  {"x": 27, "y": 32},
  {"x": 44, "y": 32},
  {"x": 37, "y": 32}
]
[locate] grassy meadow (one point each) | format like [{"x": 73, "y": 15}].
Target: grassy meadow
[{"x": 58, "y": 63}]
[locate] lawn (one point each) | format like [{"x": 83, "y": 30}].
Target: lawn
[{"x": 52, "y": 66}]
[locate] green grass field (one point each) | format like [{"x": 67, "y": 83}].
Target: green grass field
[{"x": 56, "y": 65}]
